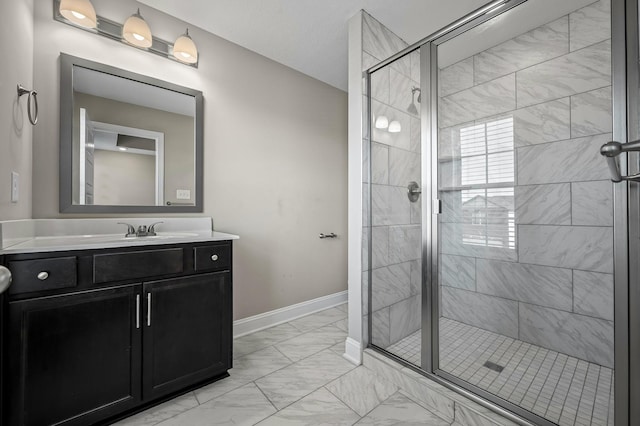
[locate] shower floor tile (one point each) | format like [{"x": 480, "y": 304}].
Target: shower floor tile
[
  {"x": 408, "y": 348},
  {"x": 566, "y": 390}
]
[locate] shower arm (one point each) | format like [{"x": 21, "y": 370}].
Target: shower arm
[{"x": 413, "y": 92}]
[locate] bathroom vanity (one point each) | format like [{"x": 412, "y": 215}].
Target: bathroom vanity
[{"x": 96, "y": 328}]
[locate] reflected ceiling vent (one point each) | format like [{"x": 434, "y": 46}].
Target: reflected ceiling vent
[{"x": 136, "y": 142}]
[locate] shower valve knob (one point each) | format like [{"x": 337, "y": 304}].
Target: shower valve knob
[{"x": 413, "y": 191}]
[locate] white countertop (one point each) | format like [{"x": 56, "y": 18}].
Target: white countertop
[{"x": 50, "y": 235}]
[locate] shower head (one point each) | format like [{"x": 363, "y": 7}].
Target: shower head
[{"x": 412, "y": 109}]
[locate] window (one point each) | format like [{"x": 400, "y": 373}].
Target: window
[
  {"x": 486, "y": 152},
  {"x": 487, "y": 171}
]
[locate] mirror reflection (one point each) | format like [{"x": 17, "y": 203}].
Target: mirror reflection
[{"x": 133, "y": 143}]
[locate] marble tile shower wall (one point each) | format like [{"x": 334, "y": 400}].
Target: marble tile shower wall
[
  {"x": 554, "y": 286},
  {"x": 395, "y": 161}
]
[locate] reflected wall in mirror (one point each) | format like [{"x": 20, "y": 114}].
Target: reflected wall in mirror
[{"x": 128, "y": 143}]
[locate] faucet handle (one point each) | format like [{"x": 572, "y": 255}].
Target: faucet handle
[
  {"x": 131, "y": 231},
  {"x": 152, "y": 228}
]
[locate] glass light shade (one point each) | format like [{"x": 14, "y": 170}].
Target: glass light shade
[
  {"x": 382, "y": 122},
  {"x": 185, "y": 50},
  {"x": 395, "y": 127},
  {"x": 136, "y": 31},
  {"x": 80, "y": 12}
]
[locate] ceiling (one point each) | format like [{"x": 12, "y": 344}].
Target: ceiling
[{"x": 311, "y": 35}]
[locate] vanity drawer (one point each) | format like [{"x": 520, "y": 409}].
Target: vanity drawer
[
  {"x": 43, "y": 274},
  {"x": 135, "y": 265},
  {"x": 212, "y": 258}
]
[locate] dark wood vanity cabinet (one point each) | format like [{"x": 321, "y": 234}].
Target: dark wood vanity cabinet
[
  {"x": 93, "y": 350},
  {"x": 187, "y": 335},
  {"x": 73, "y": 358}
]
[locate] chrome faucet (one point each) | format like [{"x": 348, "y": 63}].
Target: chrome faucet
[
  {"x": 131, "y": 231},
  {"x": 152, "y": 229},
  {"x": 142, "y": 231}
]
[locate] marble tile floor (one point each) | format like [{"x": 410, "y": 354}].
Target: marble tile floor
[
  {"x": 293, "y": 374},
  {"x": 566, "y": 390}
]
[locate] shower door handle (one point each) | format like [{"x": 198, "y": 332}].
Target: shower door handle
[{"x": 613, "y": 149}]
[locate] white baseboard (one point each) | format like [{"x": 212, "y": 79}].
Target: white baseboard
[
  {"x": 353, "y": 351},
  {"x": 288, "y": 313}
]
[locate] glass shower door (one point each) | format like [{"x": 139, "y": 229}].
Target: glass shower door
[
  {"x": 395, "y": 306},
  {"x": 525, "y": 238}
]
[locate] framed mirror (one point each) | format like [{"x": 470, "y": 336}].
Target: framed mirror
[{"x": 128, "y": 143}]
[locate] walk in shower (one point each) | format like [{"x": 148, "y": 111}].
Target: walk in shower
[{"x": 491, "y": 210}]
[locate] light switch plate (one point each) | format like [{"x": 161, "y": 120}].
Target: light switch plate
[
  {"x": 183, "y": 194},
  {"x": 15, "y": 187}
]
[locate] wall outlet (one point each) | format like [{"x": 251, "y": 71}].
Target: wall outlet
[
  {"x": 183, "y": 194},
  {"x": 15, "y": 187}
]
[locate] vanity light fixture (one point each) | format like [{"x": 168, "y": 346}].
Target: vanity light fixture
[
  {"x": 80, "y": 12},
  {"x": 395, "y": 127},
  {"x": 136, "y": 31},
  {"x": 185, "y": 50},
  {"x": 382, "y": 122}
]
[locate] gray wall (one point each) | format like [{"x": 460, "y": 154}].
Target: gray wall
[
  {"x": 16, "y": 45},
  {"x": 554, "y": 286},
  {"x": 275, "y": 153},
  {"x": 123, "y": 178}
]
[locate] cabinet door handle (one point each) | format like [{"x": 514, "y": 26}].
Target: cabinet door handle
[
  {"x": 137, "y": 311},
  {"x": 148, "y": 309},
  {"x": 43, "y": 275},
  {"x": 214, "y": 257}
]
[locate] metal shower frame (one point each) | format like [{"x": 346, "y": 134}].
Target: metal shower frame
[{"x": 626, "y": 126}]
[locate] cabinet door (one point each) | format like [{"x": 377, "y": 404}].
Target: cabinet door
[
  {"x": 187, "y": 332},
  {"x": 73, "y": 359}
]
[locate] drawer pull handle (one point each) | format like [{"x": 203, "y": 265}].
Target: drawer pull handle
[
  {"x": 214, "y": 257},
  {"x": 43, "y": 275}
]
